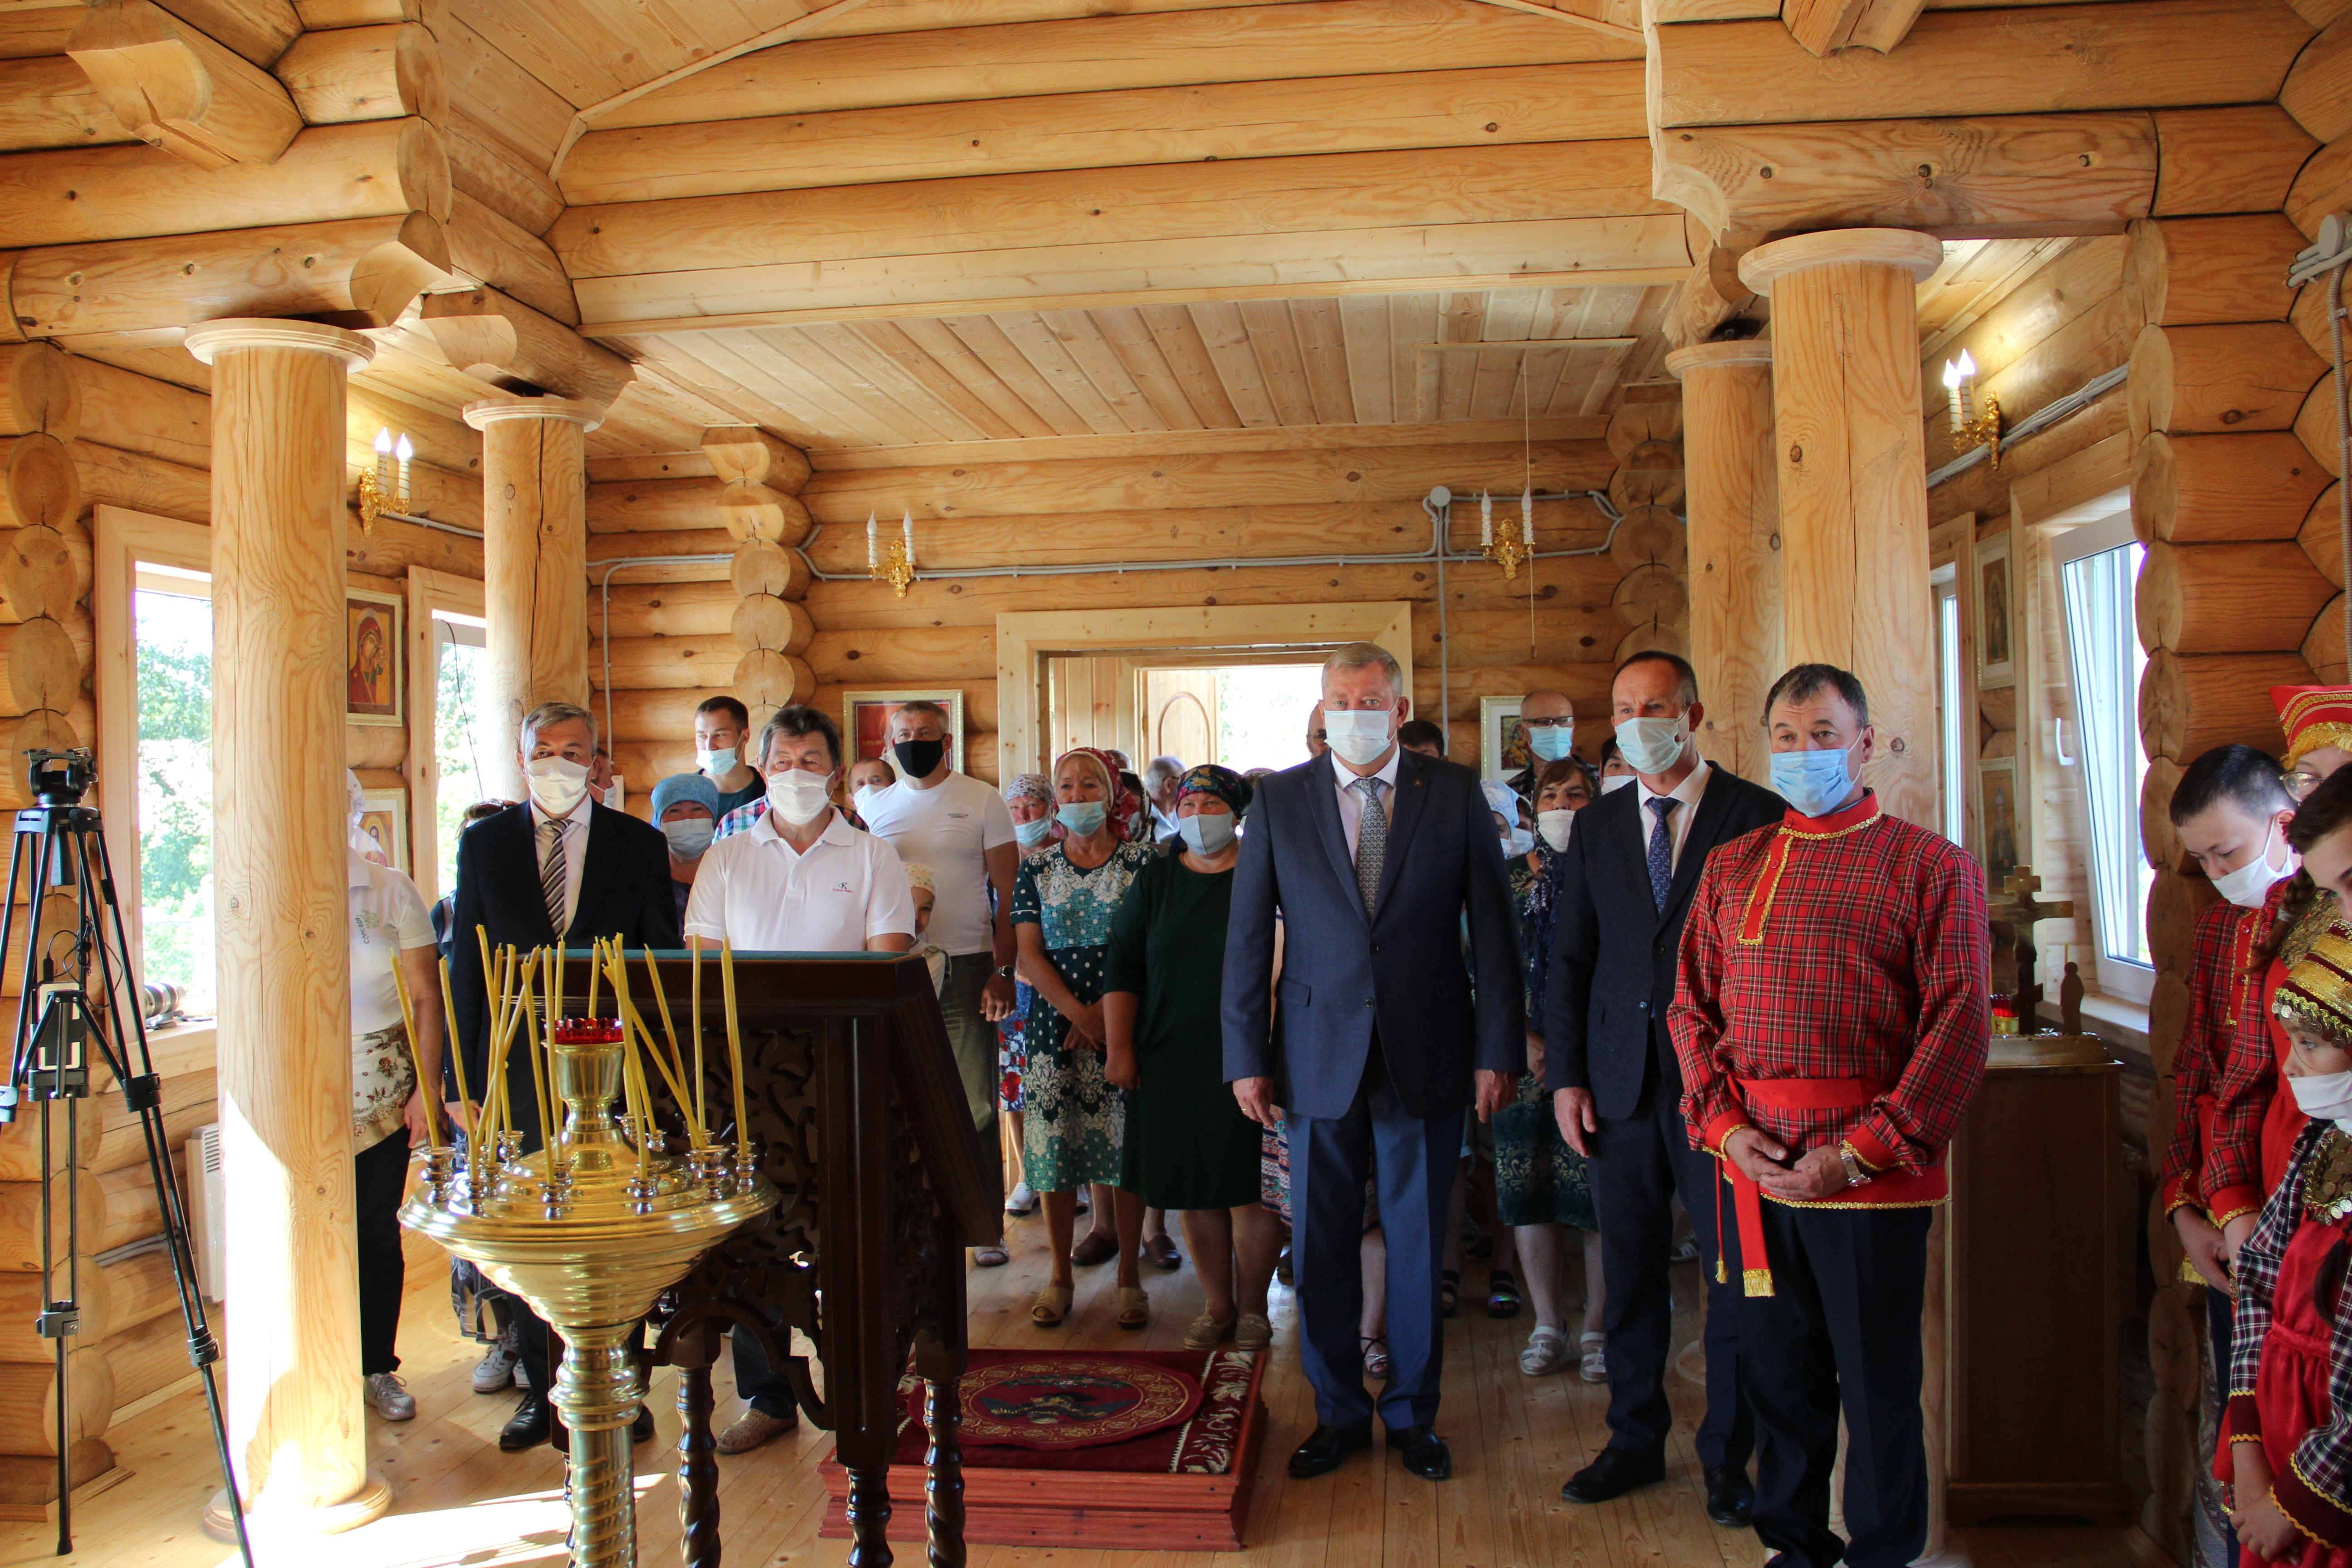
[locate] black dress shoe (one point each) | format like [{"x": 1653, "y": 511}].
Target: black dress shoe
[
  {"x": 641, "y": 1430},
  {"x": 1613, "y": 1474},
  {"x": 529, "y": 1426},
  {"x": 1425, "y": 1453},
  {"x": 1325, "y": 1448},
  {"x": 1729, "y": 1496}
]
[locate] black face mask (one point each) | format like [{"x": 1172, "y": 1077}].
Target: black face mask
[{"x": 919, "y": 759}]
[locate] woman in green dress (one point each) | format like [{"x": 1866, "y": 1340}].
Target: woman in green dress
[
  {"x": 1542, "y": 1188},
  {"x": 1189, "y": 1147},
  {"x": 1063, "y": 902}
]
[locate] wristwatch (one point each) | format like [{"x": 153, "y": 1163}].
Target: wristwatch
[
  {"x": 1003, "y": 972},
  {"x": 1856, "y": 1176}
]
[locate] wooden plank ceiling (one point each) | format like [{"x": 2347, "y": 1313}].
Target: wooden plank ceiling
[{"x": 1402, "y": 359}]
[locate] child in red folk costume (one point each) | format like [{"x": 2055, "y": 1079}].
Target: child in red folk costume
[
  {"x": 2291, "y": 1373},
  {"x": 2255, "y": 1127},
  {"x": 2232, "y": 810}
]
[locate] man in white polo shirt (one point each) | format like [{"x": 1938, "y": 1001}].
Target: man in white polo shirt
[{"x": 799, "y": 879}]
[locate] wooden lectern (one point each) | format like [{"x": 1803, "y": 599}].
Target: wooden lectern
[{"x": 851, "y": 1093}]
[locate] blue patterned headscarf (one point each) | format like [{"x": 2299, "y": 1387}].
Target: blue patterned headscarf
[{"x": 1223, "y": 782}]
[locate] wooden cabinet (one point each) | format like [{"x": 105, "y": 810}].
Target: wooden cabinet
[{"x": 2037, "y": 1280}]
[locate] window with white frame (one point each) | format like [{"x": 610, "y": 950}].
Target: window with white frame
[
  {"x": 1951, "y": 703},
  {"x": 2098, "y": 563}
]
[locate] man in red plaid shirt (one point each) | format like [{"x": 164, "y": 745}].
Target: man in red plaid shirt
[{"x": 1833, "y": 1023}]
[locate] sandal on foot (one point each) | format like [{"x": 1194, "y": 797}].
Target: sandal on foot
[
  {"x": 1132, "y": 1307},
  {"x": 1593, "y": 1366},
  {"x": 1376, "y": 1355},
  {"x": 1449, "y": 1293},
  {"x": 1052, "y": 1305},
  {"x": 1206, "y": 1334},
  {"x": 1502, "y": 1295},
  {"x": 990, "y": 1256},
  {"x": 1546, "y": 1353},
  {"x": 1251, "y": 1331}
]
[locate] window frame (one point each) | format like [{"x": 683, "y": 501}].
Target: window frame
[
  {"x": 2095, "y": 528},
  {"x": 1956, "y": 745},
  {"x": 430, "y": 592}
]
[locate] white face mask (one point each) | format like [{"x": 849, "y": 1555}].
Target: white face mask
[
  {"x": 1360, "y": 735},
  {"x": 557, "y": 784},
  {"x": 1554, "y": 826},
  {"x": 690, "y": 837},
  {"x": 2325, "y": 1097},
  {"x": 1207, "y": 833},
  {"x": 2249, "y": 887},
  {"x": 798, "y": 794},
  {"x": 717, "y": 763},
  {"x": 866, "y": 792},
  {"x": 1616, "y": 781},
  {"x": 1652, "y": 745}
]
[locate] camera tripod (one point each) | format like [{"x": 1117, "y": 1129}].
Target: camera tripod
[{"x": 75, "y": 993}]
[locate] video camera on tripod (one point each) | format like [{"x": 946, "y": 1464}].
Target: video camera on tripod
[{"x": 74, "y": 991}]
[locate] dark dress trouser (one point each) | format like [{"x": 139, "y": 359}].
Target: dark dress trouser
[
  {"x": 1414, "y": 1161},
  {"x": 1839, "y": 1331},
  {"x": 379, "y": 1182},
  {"x": 1639, "y": 1162}
]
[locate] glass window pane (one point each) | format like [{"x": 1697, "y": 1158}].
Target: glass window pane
[
  {"x": 458, "y": 682},
  {"x": 1954, "y": 726},
  {"x": 173, "y": 649},
  {"x": 2105, "y": 647}
]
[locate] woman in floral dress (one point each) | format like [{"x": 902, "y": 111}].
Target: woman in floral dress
[
  {"x": 1030, "y": 798},
  {"x": 1073, "y": 1118}
]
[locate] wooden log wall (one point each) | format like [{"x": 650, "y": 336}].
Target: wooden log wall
[{"x": 672, "y": 641}]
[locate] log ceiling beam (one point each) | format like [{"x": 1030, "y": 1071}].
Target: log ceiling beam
[
  {"x": 1173, "y": 48},
  {"x": 1487, "y": 107},
  {"x": 47, "y": 101},
  {"x": 515, "y": 348},
  {"x": 1825, "y": 26},
  {"x": 259, "y": 30},
  {"x": 181, "y": 90},
  {"x": 1576, "y": 18},
  {"x": 2152, "y": 54}
]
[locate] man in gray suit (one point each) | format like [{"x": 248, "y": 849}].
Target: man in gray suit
[{"x": 1368, "y": 858}]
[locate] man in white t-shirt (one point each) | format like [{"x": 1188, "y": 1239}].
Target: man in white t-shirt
[
  {"x": 962, "y": 830},
  {"x": 390, "y": 925},
  {"x": 799, "y": 879}
]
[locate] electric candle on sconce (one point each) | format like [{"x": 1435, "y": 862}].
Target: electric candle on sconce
[
  {"x": 1485, "y": 521},
  {"x": 1970, "y": 428},
  {"x": 897, "y": 565},
  {"x": 384, "y": 488}
]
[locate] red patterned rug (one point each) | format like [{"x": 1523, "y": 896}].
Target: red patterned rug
[
  {"x": 1052, "y": 1402},
  {"x": 1182, "y": 1485}
]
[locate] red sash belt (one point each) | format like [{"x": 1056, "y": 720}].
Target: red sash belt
[{"x": 1746, "y": 1197}]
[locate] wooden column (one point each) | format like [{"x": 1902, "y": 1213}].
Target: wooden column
[
  {"x": 1737, "y": 643},
  {"x": 297, "y": 1428},
  {"x": 534, "y": 565},
  {"x": 1852, "y": 482}
]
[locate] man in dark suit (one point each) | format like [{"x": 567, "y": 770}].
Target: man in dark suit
[
  {"x": 1631, "y": 865},
  {"x": 558, "y": 862},
  {"x": 1368, "y": 858}
]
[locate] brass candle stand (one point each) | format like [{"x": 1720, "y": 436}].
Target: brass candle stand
[{"x": 589, "y": 1231}]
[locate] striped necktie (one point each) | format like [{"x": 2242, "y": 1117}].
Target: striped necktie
[
  {"x": 1371, "y": 841},
  {"x": 551, "y": 873}
]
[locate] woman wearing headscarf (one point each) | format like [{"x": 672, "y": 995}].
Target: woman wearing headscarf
[
  {"x": 1062, "y": 903},
  {"x": 1188, "y": 1145},
  {"x": 1030, "y": 798},
  {"x": 1541, "y": 1183}
]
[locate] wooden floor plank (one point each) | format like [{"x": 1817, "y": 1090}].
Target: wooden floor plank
[{"x": 459, "y": 1500}]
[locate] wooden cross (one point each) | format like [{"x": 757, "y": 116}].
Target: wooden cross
[{"x": 2013, "y": 915}]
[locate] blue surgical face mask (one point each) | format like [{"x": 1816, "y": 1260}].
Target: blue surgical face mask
[
  {"x": 1814, "y": 782},
  {"x": 1550, "y": 743},
  {"x": 1207, "y": 834},
  {"x": 1082, "y": 817},
  {"x": 1652, "y": 745},
  {"x": 1517, "y": 841},
  {"x": 1032, "y": 834},
  {"x": 690, "y": 837}
]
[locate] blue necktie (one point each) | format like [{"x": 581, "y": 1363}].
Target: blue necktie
[{"x": 1662, "y": 849}]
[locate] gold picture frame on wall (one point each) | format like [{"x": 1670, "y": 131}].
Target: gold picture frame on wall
[
  {"x": 1502, "y": 744},
  {"x": 374, "y": 658},
  {"x": 1995, "y": 598},
  {"x": 2001, "y": 819},
  {"x": 383, "y": 818}
]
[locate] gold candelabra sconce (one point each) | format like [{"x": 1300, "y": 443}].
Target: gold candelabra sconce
[
  {"x": 1517, "y": 543},
  {"x": 383, "y": 488},
  {"x": 1971, "y": 427},
  {"x": 895, "y": 563}
]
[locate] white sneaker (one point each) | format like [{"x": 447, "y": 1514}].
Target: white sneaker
[
  {"x": 1021, "y": 1200},
  {"x": 392, "y": 1400},
  {"x": 498, "y": 1368}
]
